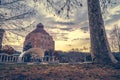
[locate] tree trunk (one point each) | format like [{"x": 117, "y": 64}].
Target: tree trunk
[
  {"x": 100, "y": 49},
  {"x": 1, "y": 37}
]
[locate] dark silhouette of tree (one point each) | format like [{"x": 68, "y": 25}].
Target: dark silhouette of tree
[
  {"x": 27, "y": 46},
  {"x": 49, "y": 53},
  {"x": 27, "y": 57},
  {"x": 7, "y": 49}
]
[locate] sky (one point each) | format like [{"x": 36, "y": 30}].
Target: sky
[{"x": 67, "y": 33}]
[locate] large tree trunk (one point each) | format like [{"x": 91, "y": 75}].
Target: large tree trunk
[
  {"x": 1, "y": 37},
  {"x": 100, "y": 49}
]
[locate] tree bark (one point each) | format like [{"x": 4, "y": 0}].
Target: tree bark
[
  {"x": 100, "y": 49},
  {"x": 1, "y": 37}
]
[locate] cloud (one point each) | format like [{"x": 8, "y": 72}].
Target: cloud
[
  {"x": 84, "y": 28},
  {"x": 67, "y": 29},
  {"x": 65, "y": 23},
  {"x": 66, "y": 32},
  {"x": 61, "y": 36},
  {"x": 113, "y": 18},
  {"x": 81, "y": 39}
]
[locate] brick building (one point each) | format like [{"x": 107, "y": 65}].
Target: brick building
[{"x": 39, "y": 38}]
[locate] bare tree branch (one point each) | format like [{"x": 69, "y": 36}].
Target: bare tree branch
[{"x": 11, "y": 2}]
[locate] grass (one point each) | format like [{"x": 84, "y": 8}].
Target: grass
[{"x": 58, "y": 72}]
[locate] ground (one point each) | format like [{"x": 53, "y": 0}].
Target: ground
[{"x": 58, "y": 72}]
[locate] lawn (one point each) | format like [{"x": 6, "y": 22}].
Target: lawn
[{"x": 58, "y": 72}]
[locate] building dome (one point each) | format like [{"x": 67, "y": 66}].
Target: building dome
[
  {"x": 40, "y": 25},
  {"x": 39, "y": 29},
  {"x": 39, "y": 38}
]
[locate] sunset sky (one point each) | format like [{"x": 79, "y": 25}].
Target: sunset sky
[{"x": 67, "y": 33}]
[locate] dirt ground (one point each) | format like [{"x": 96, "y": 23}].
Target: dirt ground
[{"x": 58, "y": 72}]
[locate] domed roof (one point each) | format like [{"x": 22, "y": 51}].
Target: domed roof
[
  {"x": 40, "y": 29},
  {"x": 40, "y": 25}
]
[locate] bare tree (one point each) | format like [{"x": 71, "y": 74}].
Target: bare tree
[
  {"x": 115, "y": 38},
  {"x": 24, "y": 11},
  {"x": 12, "y": 13},
  {"x": 100, "y": 49}
]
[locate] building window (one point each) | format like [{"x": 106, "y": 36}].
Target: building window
[
  {"x": 48, "y": 38},
  {"x": 41, "y": 36},
  {"x": 35, "y": 46},
  {"x": 41, "y": 45}
]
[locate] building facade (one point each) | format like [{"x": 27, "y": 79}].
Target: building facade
[{"x": 39, "y": 38}]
